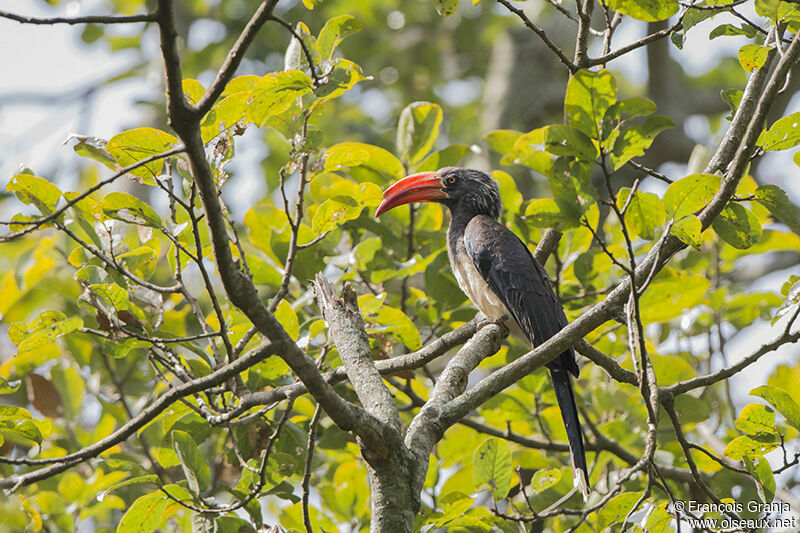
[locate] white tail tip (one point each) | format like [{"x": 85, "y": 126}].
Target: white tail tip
[{"x": 580, "y": 482}]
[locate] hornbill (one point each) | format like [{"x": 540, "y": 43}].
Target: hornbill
[{"x": 497, "y": 272}]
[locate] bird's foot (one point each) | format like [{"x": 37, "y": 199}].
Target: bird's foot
[{"x": 485, "y": 321}]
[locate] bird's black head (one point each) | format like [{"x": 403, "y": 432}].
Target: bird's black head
[
  {"x": 463, "y": 190},
  {"x": 471, "y": 191}
]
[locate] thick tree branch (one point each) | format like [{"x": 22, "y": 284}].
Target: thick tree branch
[
  {"x": 427, "y": 428},
  {"x": 411, "y": 361},
  {"x": 346, "y": 328},
  {"x": 238, "y": 286}
]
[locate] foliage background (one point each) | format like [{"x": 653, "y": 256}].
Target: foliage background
[{"x": 483, "y": 72}]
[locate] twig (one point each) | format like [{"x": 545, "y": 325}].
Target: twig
[
  {"x": 86, "y": 19},
  {"x": 235, "y": 56},
  {"x": 542, "y": 35},
  {"x": 312, "y": 432},
  {"x": 33, "y": 224}
]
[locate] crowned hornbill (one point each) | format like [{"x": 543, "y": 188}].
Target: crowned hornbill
[{"x": 498, "y": 273}]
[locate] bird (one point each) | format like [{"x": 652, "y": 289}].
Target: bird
[{"x": 498, "y": 273}]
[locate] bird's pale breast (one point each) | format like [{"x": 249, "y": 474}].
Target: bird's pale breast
[{"x": 481, "y": 295}]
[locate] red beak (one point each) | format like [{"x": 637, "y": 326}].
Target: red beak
[{"x": 421, "y": 187}]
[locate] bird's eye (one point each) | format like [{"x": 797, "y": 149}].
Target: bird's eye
[{"x": 451, "y": 180}]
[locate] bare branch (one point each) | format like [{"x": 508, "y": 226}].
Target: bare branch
[
  {"x": 235, "y": 56},
  {"x": 346, "y": 328},
  {"x": 542, "y": 35},
  {"x": 86, "y": 19}
]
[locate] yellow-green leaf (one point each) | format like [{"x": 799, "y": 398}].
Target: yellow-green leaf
[
  {"x": 690, "y": 194},
  {"x": 781, "y": 401},
  {"x": 645, "y": 212},
  {"x": 589, "y": 95},
  {"x": 417, "y": 130},
  {"x": 334, "y": 31},
  {"x": 127, "y": 208},
  {"x": 135, "y": 145},
  {"x": 738, "y": 226},
  {"x": 275, "y": 93},
  {"x": 492, "y": 466},
  {"x": 33, "y": 190}
]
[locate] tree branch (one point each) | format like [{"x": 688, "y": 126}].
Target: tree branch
[
  {"x": 33, "y": 224},
  {"x": 346, "y": 328},
  {"x": 572, "y": 67},
  {"x": 235, "y": 56},
  {"x": 87, "y": 19}
]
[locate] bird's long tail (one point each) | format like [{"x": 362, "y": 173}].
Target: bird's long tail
[{"x": 569, "y": 412}]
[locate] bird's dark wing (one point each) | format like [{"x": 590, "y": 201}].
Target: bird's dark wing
[{"x": 521, "y": 283}]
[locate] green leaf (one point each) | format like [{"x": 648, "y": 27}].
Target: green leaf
[
  {"x": 671, "y": 368},
  {"x": 449, "y": 157},
  {"x": 334, "y": 31},
  {"x": 569, "y": 141},
  {"x": 647, "y": 10},
  {"x": 343, "y": 77},
  {"x": 756, "y": 419},
  {"x": 645, "y": 212},
  {"x": 390, "y": 321},
  {"x": 761, "y": 471},
  {"x": 589, "y": 95},
  {"x": 509, "y": 194},
  {"x": 8, "y": 387},
  {"x": 492, "y": 466},
  {"x": 144, "y": 515},
  {"x": 544, "y": 479},
  {"x": 778, "y": 11},
  {"x": 749, "y": 446},
  {"x": 446, "y": 7},
  {"x": 340, "y": 209},
  {"x": 132, "y": 146},
  {"x": 738, "y": 226},
  {"x": 690, "y": 194},
  {"x": 528, "y": 150},
  {"x": 275, "y": 93},
  {"x": 378, "y": 162},
  {"x": 144, "y": 478},
  {"x": 127, "y": 208},
  {"x": 616, "y": 509},
  {"x": 193, "y": 90},
  {"x": 781, "y": 401},
  {"x": 620, "y": 113},
  {"x": 32, "y": 190},
  {"x": 94, "y": 148},
  {"x": 502, "y": 141},
  {"x": 671, "y": 292},
  {"x": 16, "y": 423},
  {"x": 194, "y": 466},
  {"x": 732, "y": 97},
  {"x": 46, "y": 328},
  {"x": 753, "y": 56},
  {"x": 417, "y": 130},
  {"x": 774, "y": 198},
  {"x": 454, "y": 505},
  {"x": 635, "y": 140},
  {"x": 730, "y": 29},
  {"x": 548, "y": 213},
  {"x": 288, "y": 319},
  {"x": 783, "y": 134}
]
